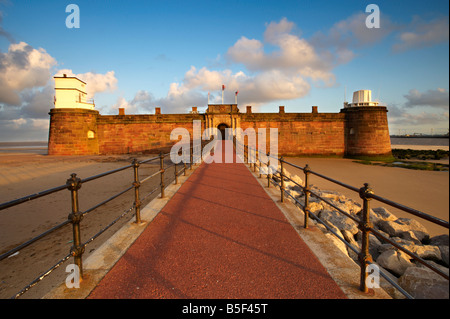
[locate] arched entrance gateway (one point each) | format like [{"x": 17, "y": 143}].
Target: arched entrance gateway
[
  {"x": 222, "y": 128},
  {"x": 222, "y": 117}
]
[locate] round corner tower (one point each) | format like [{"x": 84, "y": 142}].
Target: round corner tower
[
  {"x": 73, "y": 120},
  {"x": 366, "y": 127}
]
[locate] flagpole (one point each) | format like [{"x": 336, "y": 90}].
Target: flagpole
[{"x": 223, "y": 88}]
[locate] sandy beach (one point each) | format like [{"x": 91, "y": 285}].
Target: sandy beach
[{"x": 23, "y": 174}]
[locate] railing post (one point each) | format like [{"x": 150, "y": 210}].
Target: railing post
[
  {"x": 184, "y": 169},
  {"x": 268, "y": 170},
  {"x": 307, "y": 171},
  {"x": 282, "y": 179},
  {"x": 365, "y": 225},
  {"x": 246, "y": 153},
  {"x": 191, "y": 156},
  {"x": 161, "y": 159},
  {"x": 259, "y": 167},
  {"x": 75, "y": 217},
  {"x": 176, "y": 174},
  {"x": 136, "y": 184}
]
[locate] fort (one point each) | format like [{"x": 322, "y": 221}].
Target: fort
[{"x": 76, "y": 128}]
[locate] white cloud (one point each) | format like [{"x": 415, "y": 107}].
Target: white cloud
[
  {"x": 438, "y": 98},
  {"x": 96, "y": 82},
  {"x": 276, "y": 30},
  {"x": 27, "y": 90},
  {"x": 420, "y": 112},
  {"x": 422, "y": 119},
  {"x": 339, "y": 44},
  {"x": 420, "y": 33},
  {"x": 142, "y": 101},
  {"x": 248, "y": 52},
  {"x": 23, "y": 67},
  {"x": 16, "y": 123},
  {"x": 294, "y": 55}
]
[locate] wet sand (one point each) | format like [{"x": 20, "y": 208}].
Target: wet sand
[{"x": 23, "y": 174}]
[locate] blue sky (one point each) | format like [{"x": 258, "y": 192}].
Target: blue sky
[{"x": 142, "y": 54}]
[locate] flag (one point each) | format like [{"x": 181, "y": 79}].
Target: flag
[
  {"x": 223, "y": 87},
  {"x": 237, "y": 92}
]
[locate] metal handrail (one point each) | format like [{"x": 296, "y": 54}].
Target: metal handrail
[
  {"x": 73, "y": 184},
  {"x": 365, "y": 193},
  {"x": 31, "y": 197}
]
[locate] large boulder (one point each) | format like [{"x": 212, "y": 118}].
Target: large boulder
[
  {"x": 411, "y": 236},
  {"x": 351, "y": 206},
  {"x": 423, "y": 283},
  {"x": 333, "y": 195},
  {"x": 428, "y": 252},
  {"x": 441, "y": 240},
  {"x": 337, "y": 242},
  {"x": 297, "y": 179},
  {"x": 315, "y": 207},
  {"x": 379, "y": 214},
  {"x": 395, "y": 261},
  {"x": 339, "y": 220},
  {"x": 401, "y": 225},
  {"x": 444, "y": 255},
  {"x": 349, "y": 238}
]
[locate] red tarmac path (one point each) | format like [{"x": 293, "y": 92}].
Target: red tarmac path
[{"x": 220, "y": 236}]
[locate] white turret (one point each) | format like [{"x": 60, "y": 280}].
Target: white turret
[
  {"x": 362, "y": 98},
  {"x": 70, "y": 92}
]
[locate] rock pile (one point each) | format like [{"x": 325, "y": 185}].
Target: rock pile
[{"x": 417, "y": 279}]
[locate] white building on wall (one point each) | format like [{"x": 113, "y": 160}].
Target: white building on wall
[
  {"x": 70, "y": 92},
  {"x": 361, "y": 98}
]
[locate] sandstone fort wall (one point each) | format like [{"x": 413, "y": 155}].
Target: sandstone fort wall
[{"x": 356, "y": 131}]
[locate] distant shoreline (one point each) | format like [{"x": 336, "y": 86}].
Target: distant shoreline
[
  {"x": 420, "y": 147},
  {"x": 419, "y": 136},
  {"x": 397, "y": 142},
  {"x": 23, "y": 144}
]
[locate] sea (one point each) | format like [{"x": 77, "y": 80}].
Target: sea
[
  {"x": 420, "y": 143},
  {"x": 36, "y": 147},
  {"x": 40, "y": 147},
  {"x": 431, "y": 141}
]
